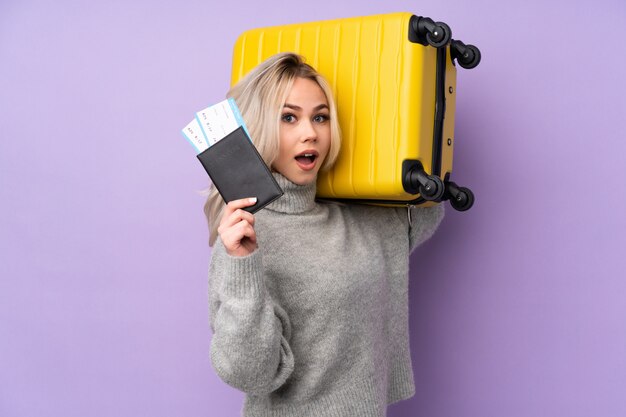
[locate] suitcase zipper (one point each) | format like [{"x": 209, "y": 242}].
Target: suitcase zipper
[{"x": 440, "y": 111}]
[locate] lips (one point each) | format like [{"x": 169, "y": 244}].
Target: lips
[{"x": 306, "y": 160}]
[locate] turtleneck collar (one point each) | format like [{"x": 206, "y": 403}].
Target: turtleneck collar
[{"x": 297, "y": 198}]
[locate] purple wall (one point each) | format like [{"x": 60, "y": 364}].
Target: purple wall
[{"x": 518, "y": 306}]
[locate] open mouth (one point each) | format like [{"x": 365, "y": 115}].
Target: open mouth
[{"x": 306, "y": 160}]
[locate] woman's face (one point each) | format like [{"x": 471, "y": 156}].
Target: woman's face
[{"x": 304, "y": 132}]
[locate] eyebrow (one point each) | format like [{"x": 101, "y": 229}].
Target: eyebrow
[{"x": 294, "y": 107}]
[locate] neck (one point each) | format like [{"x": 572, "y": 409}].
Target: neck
[{"x": 297, "y": 198}]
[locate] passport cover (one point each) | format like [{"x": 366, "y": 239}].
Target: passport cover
[{"x": 238, "y": 171}]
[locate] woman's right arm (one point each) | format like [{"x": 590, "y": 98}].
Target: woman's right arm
[{"x": 250, "y": 345}]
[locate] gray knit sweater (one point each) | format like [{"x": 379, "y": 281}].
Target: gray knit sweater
[{"x": 314, "y": 322}]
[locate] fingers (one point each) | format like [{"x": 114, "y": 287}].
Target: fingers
[
  {"x": 235, "y": 217},
  {"x": 233, "y": 212},
  {"x": 239, "y": 239},
  {"x": 237, "y": 232},
  {"x": 247, "y": 230},
  {"x": 236, "y": 228},
  {"x": 238, "y": 204}
]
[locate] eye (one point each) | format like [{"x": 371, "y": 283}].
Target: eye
[
  {"x": 288, "y": 117},
  {"x": 321, "y": 118}
]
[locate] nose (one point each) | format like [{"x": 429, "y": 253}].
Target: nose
[{"x": 308, "y": 133}]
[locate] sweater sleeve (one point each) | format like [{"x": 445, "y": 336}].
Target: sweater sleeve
[
  {"x": 424, "y": 221},
  {"x": 250, "y": 345}
]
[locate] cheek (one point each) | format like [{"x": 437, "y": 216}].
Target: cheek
[
  {"x": 282, "y": 144},
  {"x": 285, "y": 149},
  {"x": 327, "y": 137}
]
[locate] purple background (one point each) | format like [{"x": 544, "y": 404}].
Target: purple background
[{"x": 518, "y": 307}]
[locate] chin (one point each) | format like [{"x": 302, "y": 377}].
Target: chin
[
  {"x": 305, "y": 181},
  {"x": 302, "y": 179}
]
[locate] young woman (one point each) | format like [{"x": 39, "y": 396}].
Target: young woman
[{"x": 308, "y": 301}]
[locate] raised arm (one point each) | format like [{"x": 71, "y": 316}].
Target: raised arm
[
  {"x": 250, "y": 346},
  {"x": 424, "y": 222}
]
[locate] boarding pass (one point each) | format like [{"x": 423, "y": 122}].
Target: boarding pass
[{"x": 213, "y": 124}]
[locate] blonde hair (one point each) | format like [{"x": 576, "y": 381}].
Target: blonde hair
[{"x": 260, "y": 96}]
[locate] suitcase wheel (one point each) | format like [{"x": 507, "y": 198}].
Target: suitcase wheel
[
  {"x": 440, "y": 36},
  {"x": 432, "y": 189},
  {"x": 468, "y": 56},
  {"x": 416, "y": 180},
  {"x": 461, "y": 198},
  {"x": 437, "y": 34}
]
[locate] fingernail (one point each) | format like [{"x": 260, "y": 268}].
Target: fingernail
[{"x": 253, "y": 200}]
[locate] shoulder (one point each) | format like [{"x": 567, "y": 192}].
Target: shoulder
[
  {"x": 381, "y": 213},
  {"x": 381, "y": 218}
]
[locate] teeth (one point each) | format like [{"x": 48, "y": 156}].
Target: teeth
[{"x": 308, "y": 154}]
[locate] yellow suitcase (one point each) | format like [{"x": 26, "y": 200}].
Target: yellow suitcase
[{"x": 394, "y": 80}]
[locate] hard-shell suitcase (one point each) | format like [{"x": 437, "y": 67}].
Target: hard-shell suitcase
[{"x": 394, "y": 81}]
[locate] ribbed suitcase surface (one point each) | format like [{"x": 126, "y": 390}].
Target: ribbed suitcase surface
[{"x": 384, "y": 85}]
